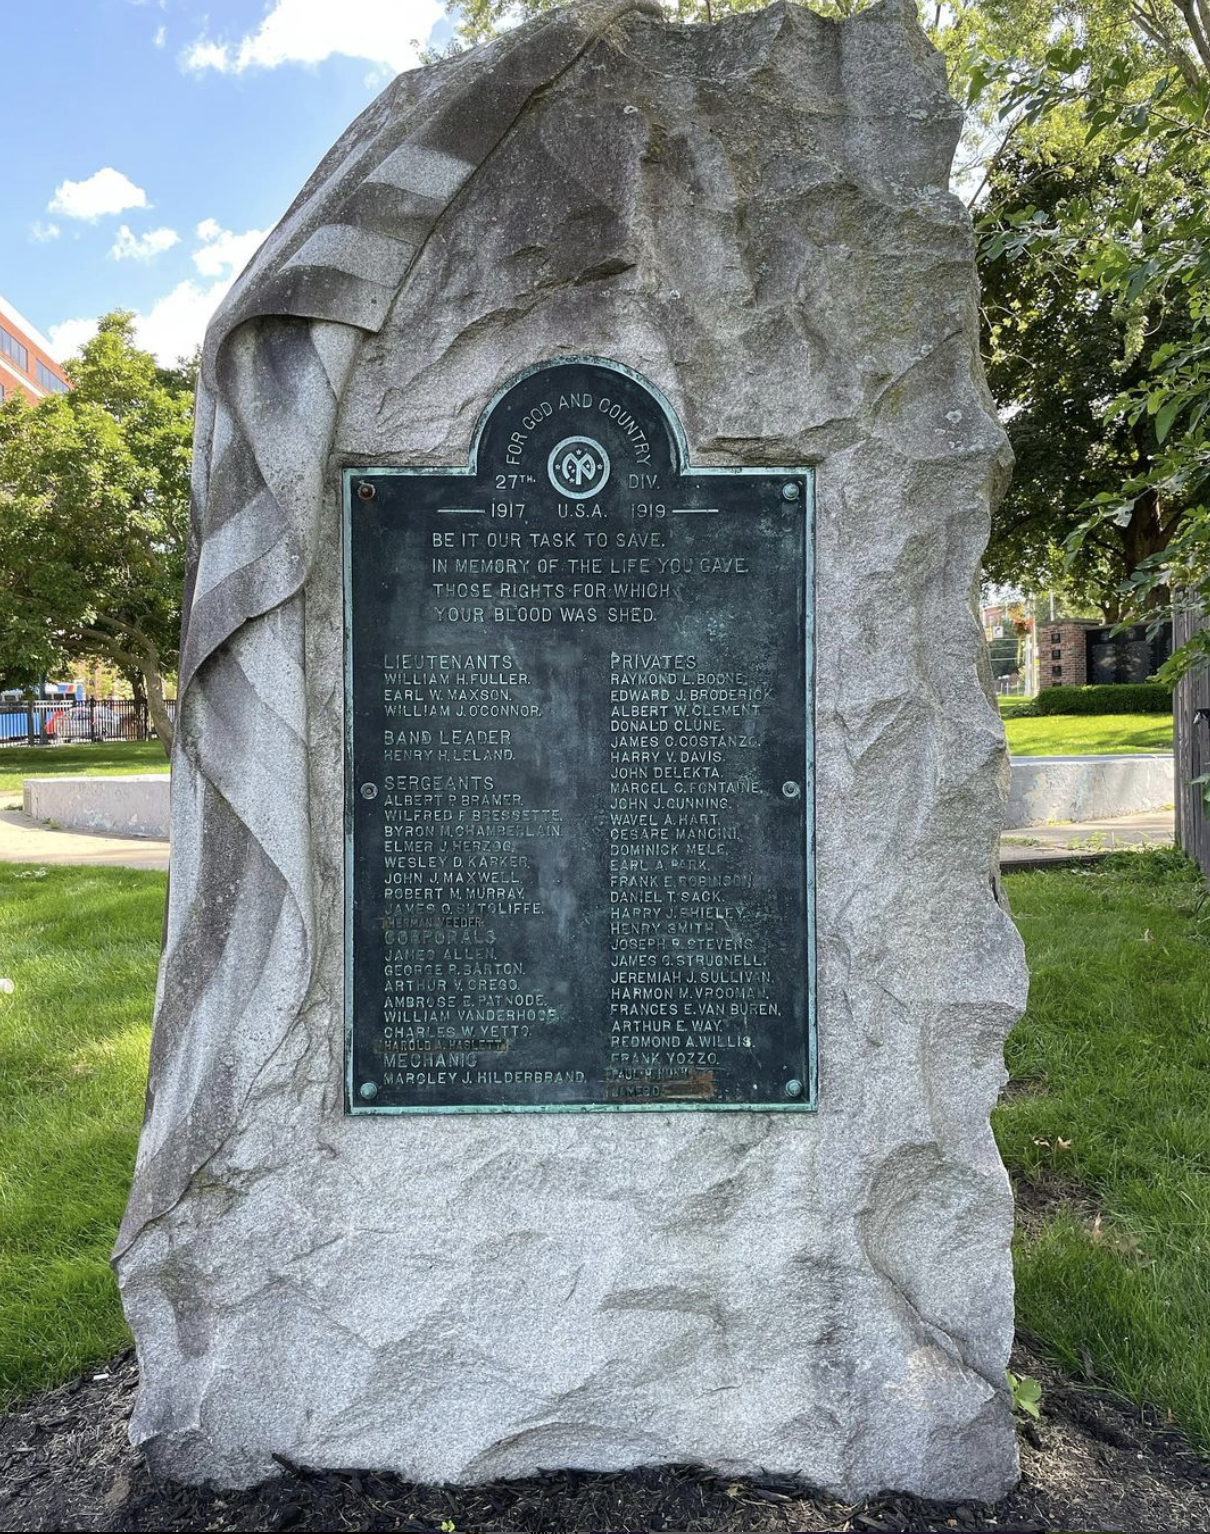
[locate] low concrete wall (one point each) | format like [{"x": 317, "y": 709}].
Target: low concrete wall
[
  {"x": 127, "y": 806},
  {"x": 1044, "y": 789},
  {"x": 1049, "y": 788}
]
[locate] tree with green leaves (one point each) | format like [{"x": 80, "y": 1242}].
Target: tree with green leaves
[
  {"x": 1130, "y": 87},
  {"x": 1106, "y": 102},
  {"x": 94, "y": 514},
  {"x": 1059, "y": 348}
]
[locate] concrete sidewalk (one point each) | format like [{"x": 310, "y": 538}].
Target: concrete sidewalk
[
  {"x": 1084, "y": 841},
  {"x": 23, "y": 840}
]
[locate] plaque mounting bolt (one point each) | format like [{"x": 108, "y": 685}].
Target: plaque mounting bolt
[
  {"x": 365, "y": 491},
  {"x": 369, "y": 790},
  {"x": 369, "y": 1090},
  {"x": 789, "y": 491},
  {"x": 793, "y": 1088},
  {"x": 789, "y": 790}
]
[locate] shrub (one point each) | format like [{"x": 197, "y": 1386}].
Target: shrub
[
  {"x": 1016, "y": 708},
  {"x": 1125, "y": 698}
]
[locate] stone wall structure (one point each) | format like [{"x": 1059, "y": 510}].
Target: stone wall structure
[
  {"x": 754, "y": 217},
  {"x": 130, "y": 805}
]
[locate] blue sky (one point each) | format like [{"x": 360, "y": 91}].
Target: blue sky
[{"x": 152, "y": 143}]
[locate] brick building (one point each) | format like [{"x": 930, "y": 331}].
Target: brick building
[
  {"x": 1074, "y": 652},
  {"x": 1063, "y": 652},
  {"x": 26, "y": 365}
]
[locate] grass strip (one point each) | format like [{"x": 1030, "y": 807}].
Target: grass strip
[
  {"x": 108, "y": 759},
  {"x": 80, "y": 946},
  {"x": 1087, "y": 734},
  {"x": 1107, "y": 1129}
]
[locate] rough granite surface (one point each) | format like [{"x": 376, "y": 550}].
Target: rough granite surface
[{"x": 754, "y": 216}]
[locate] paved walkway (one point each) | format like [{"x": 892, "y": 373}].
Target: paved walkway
[
  {"x": 1084, "y": 841},
  {"x": 23, "y": 840}
]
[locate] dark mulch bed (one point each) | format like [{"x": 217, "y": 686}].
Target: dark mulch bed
[{"x": 1093, "y": 1463}]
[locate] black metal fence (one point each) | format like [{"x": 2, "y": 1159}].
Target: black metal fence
[
  {"x": 69, "y": 721},
  {"x": 1191, "y": 750}
]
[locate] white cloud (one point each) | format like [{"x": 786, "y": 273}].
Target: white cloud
[
  {"x": 160, "y": 38},
  {"x": 389, "y": 32},
  {"x": 109, "y": 191},
  {"x": 44, "y": 232},
  {"x": 131, "y": 247},
  {"x": 67, "y": 339},
  {"x": 205, "y": 55},
  {"x": 176, "y": 323},
  {"x": 171, "y": 328},
  {"x": 223, "y": 253}
]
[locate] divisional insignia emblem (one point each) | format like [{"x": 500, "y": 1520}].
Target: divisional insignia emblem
[{"x": 578, "y": 467}]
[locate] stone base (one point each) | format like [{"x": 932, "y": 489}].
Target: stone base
[{"x": 463, "y": 1300}]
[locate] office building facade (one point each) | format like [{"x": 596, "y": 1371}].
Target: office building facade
[{"x": 26, "y": 365}]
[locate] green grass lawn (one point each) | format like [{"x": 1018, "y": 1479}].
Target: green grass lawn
[
  {"x": 1106, "y": 1129},
  {"x": 1082, "y": 734},
  {"x": 1087, "y": 734},
  {"x": 81, "y": 947},
  {"x": 104, "y": 760}
]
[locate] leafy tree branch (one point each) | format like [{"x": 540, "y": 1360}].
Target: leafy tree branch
[{"x": 94, "y": 510}]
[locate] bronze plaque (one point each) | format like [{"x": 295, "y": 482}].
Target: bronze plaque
[{"x": 579, "y": 768}]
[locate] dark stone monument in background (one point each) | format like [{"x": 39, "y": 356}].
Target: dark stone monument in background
[{"x": 585, "y": 985}]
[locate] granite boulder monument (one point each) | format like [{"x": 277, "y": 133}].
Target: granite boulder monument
[{"x": 585, "y": 977}]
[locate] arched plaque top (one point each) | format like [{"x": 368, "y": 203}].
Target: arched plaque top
[{"x": 578, "y": 424}]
